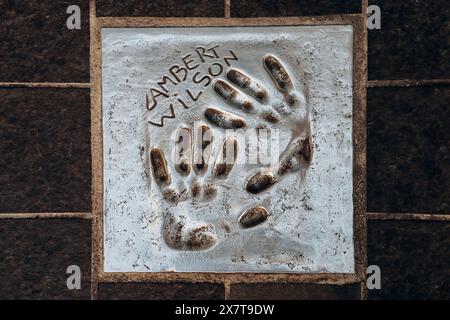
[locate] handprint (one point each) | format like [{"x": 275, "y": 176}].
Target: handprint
[
  {"x": 192, "y": 154},
  {"x": 193, "y": 151},
  {"x": 246, "y": 94}
]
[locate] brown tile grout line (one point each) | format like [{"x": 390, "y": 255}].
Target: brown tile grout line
[
  {"x": 227, "y": 7},
  {"x": 92, "y": 40},
  {"x": 230, "y": 277},
  {"x": 82, "y": 85},
  {"x": 406, "y": 83},
  {"x": 227, "y": 289},
  {"x": 364, "y": 6},
  {"x": 363, "y": 291},
  {"x": 408, "y": 216},
  {"x": 46, "y": 215}
]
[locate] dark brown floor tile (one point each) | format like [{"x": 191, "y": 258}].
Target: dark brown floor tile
[
  {"x": 408, "y": 163},
  {"x": 414, "y": 258},
  {"x": 160, "y": 291},
  {"x": 36, "y": 45},
  {"x": 35, "y": 256},
  {"x": 292, "y": 291},
  {"x": 278, "y": 8},
  {"x": 166, "y": 8},
  {"x": 45, "y": 148},
  {"x": 413, "y": 42}
]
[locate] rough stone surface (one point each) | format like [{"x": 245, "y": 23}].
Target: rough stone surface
[
  {"x": 161, "y": 291},
  {"x": 409, "y": 150},
  {"x": 35, "y": 256},
  {"x": 413, "y": 257},
  {"x": 45, "y": 150},
  {"x": 36, "y": 45},
  {"x": 276, "y": 8},
  {"x": 291, "y": 291},
  {"x": 168, "y": 8},
  {"x": 413, "y": 42},
  {"x": 310, "y": 225}
]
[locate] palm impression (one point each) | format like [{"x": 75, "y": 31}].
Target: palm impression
[
  {"x": 245, "y": 94},
  {"x": 192, "y": 152}
]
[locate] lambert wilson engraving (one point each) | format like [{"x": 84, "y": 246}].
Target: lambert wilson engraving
[{"x": 215, "y": 57}]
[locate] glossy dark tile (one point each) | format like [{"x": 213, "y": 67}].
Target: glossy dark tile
[
  {"x": 408, "y": 161},
  {"x": 292, "y": 291},
  {"x": 45, "y": 150},
  {"x": 278, "y": 8},
  {"x": 35, "y": 256},
  {"x": 168, "y": 8},
  {"x": 413, "y": 42},
  {"x": 413, "y": 257},
  {"x": 37, "y": 46},
  {"x": 160, "y": 291}
]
